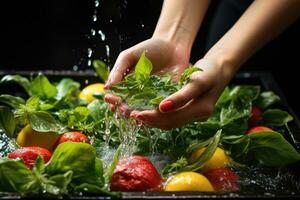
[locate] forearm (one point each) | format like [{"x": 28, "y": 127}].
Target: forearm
[
  {"x": 180, "y": 20},
  {"x": 262, "y": 21}
]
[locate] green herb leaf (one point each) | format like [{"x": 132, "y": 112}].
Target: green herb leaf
[
  {"x": 22, "y": 81},
  {"x": 42, "y": 121},
  {"x": 187, "y": 73},
  {"x": 67, "y": 88},
  {"x": 206, "y": 155},
  {"x": 275, "y": 117},
  {"x": 12, "y": 101},
  {"x": 271, "y": 149},
  {"x": 14, "y": 176},
  {"x": 101, "y": 69},
  {"x": 143, "y": 68},
  {"x": 7, "y": 121},
  {"x": 79, "y": 158},
  {"x": 266, "y": 99},
  {"x": 40, "y": 86}
]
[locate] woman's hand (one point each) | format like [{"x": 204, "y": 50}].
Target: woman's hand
[
  {"x": 195, "y": 101},
  {"x": 164, "y": 55}
]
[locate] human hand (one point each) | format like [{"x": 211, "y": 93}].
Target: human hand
[
  {"x": 165, "y": 56},
  {"x": 195, "y": 101}
]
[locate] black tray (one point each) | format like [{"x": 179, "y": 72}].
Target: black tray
[{"x": 265, "y": 79}]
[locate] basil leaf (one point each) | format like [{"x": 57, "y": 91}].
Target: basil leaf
[
  {"x": 42, "y": 121},
  {"x": 32, "y": 103},
  {"x": 22, "y": 81},
  {"x": 206, "y": 155},
  {"x": 143, "y": 68},
  {"x": 275, "y": 117},
  {"x": 101, "y": 69},
  {"x": 81, "y": 159},
  {"x": 266, "y": 99},
  {"x": 67, "y": 88},
  {"x": 7, "y": 121},
  {"x": 187, "y": 73},
  {"x": 245, "y": 92},
  {"x": 12, "y": 101},
  {"x": 14, "y": 175},
  {"x": 61, "y": 181},
  {"x": 40, "y": 86},
  {"x": 271, "y": 149}
]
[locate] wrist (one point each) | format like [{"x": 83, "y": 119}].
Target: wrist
[
  {"x": 226, "y": 59},
  {"x": 176, "y": 34}
]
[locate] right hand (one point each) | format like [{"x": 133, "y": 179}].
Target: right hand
[{"x": 165, "y": 56}]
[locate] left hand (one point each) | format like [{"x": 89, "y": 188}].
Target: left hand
[{"x": 195, "y": 101}]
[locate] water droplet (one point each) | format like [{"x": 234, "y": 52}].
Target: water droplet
[
  {"x": 94, "y": 17},
  {"x": 89, "y": 63},
  {"x": 142, "y": 25},
  {"x": 102, "y": 35},
  {"x": 86, "y": 81},
  {"x": 97, "y": 3},
  {"x": 90, "y": 52},
  {"x": 107, "y": 50},
  {"x": 75, "y": 67},
  {"x": 110, "y": 20},
  {"x": 93, "y": 32}
]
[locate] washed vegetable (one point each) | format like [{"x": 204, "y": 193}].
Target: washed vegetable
[
  {"x": 87, "y": 93},
  {"x": 218, "y": 160},
  {"x": 29, "y": 137},
  {"x": 258, "y": 129},
  {"x": 223, "y": 179},
  {"x": 136, "y": 173},
  {"x": 73, "y": 167},
  {"x": 142, "y": 91},
  {"x": 72, "y": 137},
  {"x": 29, "y": 155},
  {"x": 256, "y": 115},
  {"x": 188, "y": 181}
]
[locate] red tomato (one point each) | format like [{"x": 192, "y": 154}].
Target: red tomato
[
  {"x": 136, "y": 173},
  {"x": 30, "y": 154},
  {"x": 72, "y": 137},
  {"x": 223, "y": 179},
  {"x": 256, "y": 115},
  {"x": 258, "y": 129}
]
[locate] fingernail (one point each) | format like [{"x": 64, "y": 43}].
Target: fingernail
[
  {"x": 107, "y": 85},
  {"x": 140, "y": 117},
  {"x": 166, "y": 105}
]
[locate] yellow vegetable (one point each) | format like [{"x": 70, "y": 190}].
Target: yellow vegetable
[
  {"x": 88, "y": 92},
  {"x": 189, "y": 181},
  {"x": 218, "y": 160},
  {"x": 29, "y": 137}
]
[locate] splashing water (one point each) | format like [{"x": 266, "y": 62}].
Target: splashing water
[{"x": 128, "y": 129}]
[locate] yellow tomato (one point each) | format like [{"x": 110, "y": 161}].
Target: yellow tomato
[
  {"x": 189, "y": 181},
  {"x": 88, "y": 92},
  {"x": 29, "y": 137},
  {"x": 218, "y": 160}
]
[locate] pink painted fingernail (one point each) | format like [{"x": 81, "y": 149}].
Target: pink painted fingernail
[
  {"x": 166, "y": 105},
  {"x": 107, "y": 85},
  {"x": 140, "y": 117}
]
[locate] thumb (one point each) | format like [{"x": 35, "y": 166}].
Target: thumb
[
  {"x": 123, "y": 65},
  {"x": 195, "y": 88}
]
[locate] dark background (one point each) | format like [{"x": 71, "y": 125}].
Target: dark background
[{"x": 56, "y": 34}]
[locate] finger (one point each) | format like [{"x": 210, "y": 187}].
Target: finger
[
  {"x": 194, "y": 110},
  {"x": 112, "y": 107},
  {"x": 124, "y": 109},
  {"x": 197, "y": 85},
  {"x": 123, "y": 65},
  {"x": 112, "y": 99}
]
